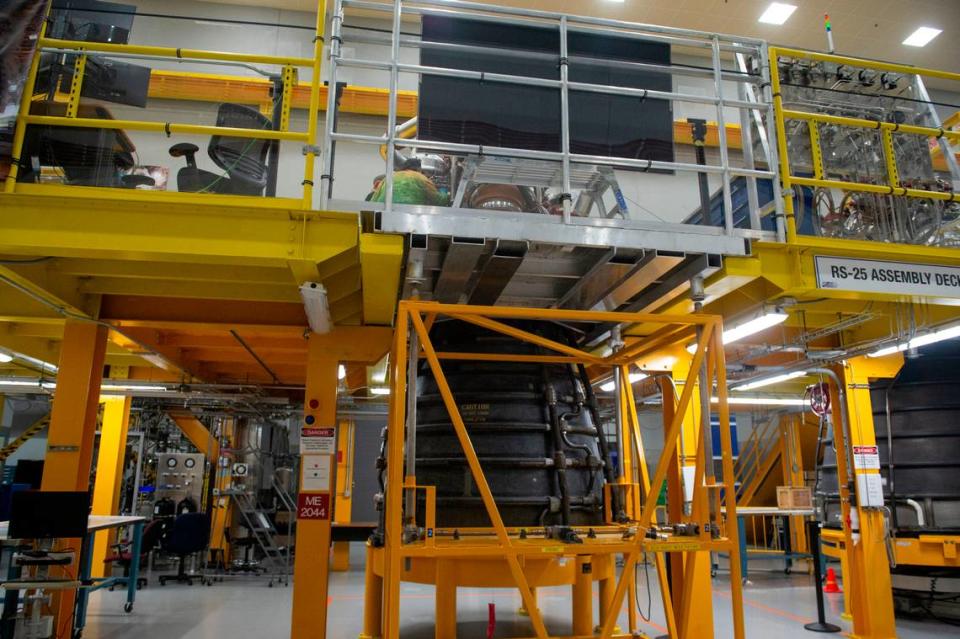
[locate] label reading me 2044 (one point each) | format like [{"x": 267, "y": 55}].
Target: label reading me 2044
[{"x": 881, "y": 276}]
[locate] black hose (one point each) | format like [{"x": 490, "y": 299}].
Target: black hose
[
  {"x": 559, "y": 458},
  {"x": 601, "y": 441}
]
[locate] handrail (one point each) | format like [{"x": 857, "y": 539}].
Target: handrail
[
  {"x": 287, "y": 81},
  {"x": 893, "y": 185}
]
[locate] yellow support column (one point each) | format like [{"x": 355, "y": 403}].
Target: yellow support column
[
  {"x": 312, "y": 564},
  {"x": 73, "y": 425},
  {"x": 106, "y": 488},
  {"x": 868, "y": 581},
  {"x": 583, "y": 597},
  {"x": 445, "y": 625},
  {"x": 344, "y": 497},
  {"x": 699, "y": 621}
]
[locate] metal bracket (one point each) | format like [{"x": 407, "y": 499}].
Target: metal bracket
[
  {"x": 63, "y": 449},
  {"x": 308, "y": 149}
]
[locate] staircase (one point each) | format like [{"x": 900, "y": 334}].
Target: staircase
[
  {"x": 24, "y": 437},
  {"x": 275, "y": 557},
  {"x": 759, "y": 457}
]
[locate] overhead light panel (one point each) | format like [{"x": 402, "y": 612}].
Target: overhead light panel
[
  {"x": 767, "y": 381},
  {"x": 751, "y": 327},
  {"x": 922, "y": 37},
  {"x": 633, "y": 377},
  {"x": 777, "y": 13},
  {"x": 341, "y": 371},
  {"x": 5, "y": 359},
  {"x": 379, "y": 390},
  {"x": 762, "y": 401},
  {"x": 920, "y": 340},
  {"x": 152, "y": 388},
  {"x": 316, "y": 306}
]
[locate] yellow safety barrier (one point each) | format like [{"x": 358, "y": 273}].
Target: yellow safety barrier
[
  {"x": 887, "y": 129},
  {"x": 83, "y": 50}
]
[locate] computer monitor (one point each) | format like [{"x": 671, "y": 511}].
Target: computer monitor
[
  {"x": 28, "y": 471},
  {"x": 112, "y": 81},
  {"x": 49, "y": 515},
  {"x": 91, "y": 21}
]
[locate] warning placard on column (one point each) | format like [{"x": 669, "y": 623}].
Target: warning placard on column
[
  {"x": 315, "y": 473},
  {"x": 866, "y": 458},
  {"x": 318, "y": 440}
]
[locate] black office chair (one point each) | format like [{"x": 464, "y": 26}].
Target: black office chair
[
  {"x": 243, "y": 159},
  {"x": 189, "y": 535}
]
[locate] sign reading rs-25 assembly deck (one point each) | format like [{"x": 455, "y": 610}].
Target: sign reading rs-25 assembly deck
[{"x": 881, "y": 276}]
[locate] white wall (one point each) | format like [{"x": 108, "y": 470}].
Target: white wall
[{"x": 651, "y": 197}]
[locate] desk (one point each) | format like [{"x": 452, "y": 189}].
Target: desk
[
  {"x": 787, "y": 555},
  {"x": 86, "y": 156},
  {"x": 87, "y": 584}
]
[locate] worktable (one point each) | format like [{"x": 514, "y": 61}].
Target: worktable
[
  {"x": 787, "y": 555},
  {"x": 85, "y": 584}
]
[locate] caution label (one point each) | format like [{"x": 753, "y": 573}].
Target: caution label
[
  {"x": 882, "y": 276},
  {"x": 866, "y": 458},
  {"x": 672, "y": 546},
  {"x": 318, "y": 440},
  {"x": 313, "y": 506}
]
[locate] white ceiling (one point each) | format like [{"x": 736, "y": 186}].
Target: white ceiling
[{"x": 866, "y": 28}]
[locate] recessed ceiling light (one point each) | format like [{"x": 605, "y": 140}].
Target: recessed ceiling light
[
  {"x": 922, "y": 37},
  {"x": 5, "y": 359},
  {"x": 777, "y": 13}
]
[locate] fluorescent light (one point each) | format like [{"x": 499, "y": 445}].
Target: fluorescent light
[
  {"x": 777, "y": 13},
  {"x": 888, "y": 350},
  {"x": 920, "y": 340},
  {"x": 767, "y": 381},
  {"x": 341, "y": 371},
  {"x": 133, "y": 387},
  {"x": 316, "y": 306},
  {"x": 379, "y": 390},
  {"x": 633, "y": 377},
  {"x": 12, "y": 382},
  {"x": 5, "y": 359},
  {"x": 762, "y": 401},
  {"x": 922, "y": 37},
  {"x": 751, "y": 327}
]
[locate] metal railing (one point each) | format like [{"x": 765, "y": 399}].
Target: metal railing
[
  {"x": 862, "y": 98},
  {"x": 81, "y": 51},
  {"x": 753, "y": 101}
]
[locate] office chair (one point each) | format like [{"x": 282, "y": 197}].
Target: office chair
[
  {"x": 190, "y": 534},
  {"x": 123, "y": 556},
  {"x": 243, "y": 159}
]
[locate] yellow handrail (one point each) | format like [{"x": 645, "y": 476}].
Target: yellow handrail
[{"x": 308, "y": 137}]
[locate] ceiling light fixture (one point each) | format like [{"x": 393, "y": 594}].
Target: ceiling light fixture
[
  {"x": 762, "y": 401},
  {"x": 379, "y": 390},
  {"x": 922, "y": 37},
  {"x": 777, "y": 13},
  {"x": 134, "y": 387},
  {"x": 932, "y": 337},
  {"x": 751, "y": 327},
  {"x": 316, "y": 306},
  {"x": 767, "y": 381},
  {"x": 633, "y": 377},
  {"x": 5, "y": 359},
  {"x": 341, "y": 371}
]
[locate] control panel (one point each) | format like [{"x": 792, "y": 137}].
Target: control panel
[{"x": 180, "y": 475}]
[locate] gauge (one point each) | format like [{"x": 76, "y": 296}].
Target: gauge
[
  {"x": 189, "y": 462},
  {"x": 171, "y": 462}
]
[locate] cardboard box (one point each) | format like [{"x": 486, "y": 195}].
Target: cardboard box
[{"x": 794, "y": 498}]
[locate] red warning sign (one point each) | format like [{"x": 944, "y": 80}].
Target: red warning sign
[{"x": 313, "y": 506}]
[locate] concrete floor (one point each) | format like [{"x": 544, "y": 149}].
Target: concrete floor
[{"x": 776, "y": 606}]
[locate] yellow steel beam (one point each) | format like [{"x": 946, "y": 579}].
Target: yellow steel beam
[
  {"x": 73, "y": 423},
  {"x": 197, "y": 433},
  {"x": 151, "y": 229},
  {"x": 381, "y": 258},
  {"x": 106, "y": 488},
  {"x": 183, "y": 271},
  {"x": 173, "y": 287}
]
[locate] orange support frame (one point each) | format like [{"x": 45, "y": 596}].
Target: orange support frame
[{"x": 625, "y": 538}]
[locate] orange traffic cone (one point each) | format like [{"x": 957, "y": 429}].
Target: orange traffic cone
[{"x": 831, "y": 586}]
